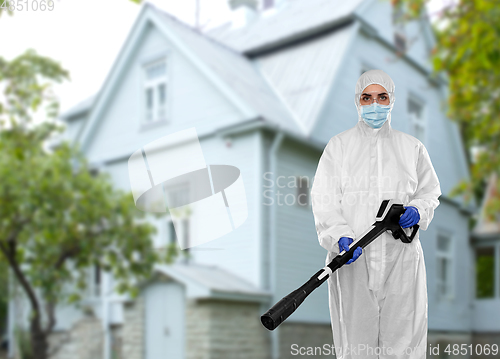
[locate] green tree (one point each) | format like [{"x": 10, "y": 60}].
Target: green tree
[
  {"x": 468, "y": 52},
  {"x": 56, "y": 219}
]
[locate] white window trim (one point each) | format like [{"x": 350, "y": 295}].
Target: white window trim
[
  {"x": 153, "y": 83},
  {"x": 450, "y": 256},
  {"x": 413, "y": 121}
]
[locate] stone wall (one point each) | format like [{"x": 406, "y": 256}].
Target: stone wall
[
  {"x": 223, "y": 329},
  {"x": 132, "y": 332},
  {"x": 83, "y": 341},
  {"x": 197, "y": 330},
  {"x": 305, "y": 335},
  {"x": 486, "y": 340},
  {"x": 217, "y": 329},
  {"x": 116, "y": 341}
]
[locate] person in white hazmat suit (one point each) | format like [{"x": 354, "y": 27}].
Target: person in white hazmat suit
[{"x": 378, "y": 302}]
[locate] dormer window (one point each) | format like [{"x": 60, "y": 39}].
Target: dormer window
[
  {"x": 155, "y": 91},
  {"x": 417, "y": 119},
  {"x": 399, "y": 28}
]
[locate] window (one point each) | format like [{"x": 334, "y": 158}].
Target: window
[
  {"x": 171, "y": 232},
  {"x": 400, "y": 42},
  {"x": 399, "y": 29},
  {"x": 417, "y": 121},
  {"x": 302, "y": 184},
  {"x": 97, "y": 280},
  {"x": 444, "y": 267},
  {"x": 178, "y": 196},
  {"x": 185, "y": 232},
  {"x": 155, "y": 91},
  {"x": 485, "y": 272}
]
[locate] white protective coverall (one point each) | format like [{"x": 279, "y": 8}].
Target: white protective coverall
[{"x": 379, "y": 300}]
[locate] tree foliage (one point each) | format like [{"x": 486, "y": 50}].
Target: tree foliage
[
  {"x": 56, "y": 218},
  {"x": 468, "y": 52}
]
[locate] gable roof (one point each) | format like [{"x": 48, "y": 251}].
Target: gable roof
[
  {"x": 232, "y": 73},
  {"x": 296, "y": 19},
  {"x": 236, "y": 71},
  {"x": 80, "y": 108}
]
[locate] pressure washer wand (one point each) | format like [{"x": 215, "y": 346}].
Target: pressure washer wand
[{"x": 387, "y": 219}]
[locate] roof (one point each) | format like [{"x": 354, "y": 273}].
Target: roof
[
  {"x": 279, "y": 89},
  {"x": 232, "y": 73},
  {"x": 303, "y": 75},
  {"x": 236, "y": 70},
  {"x": 296, "y": 19},
  {"x": 79, "y": 108},
  {"x": 208, "y": 281},
  {"x": 286, "y": 87}
]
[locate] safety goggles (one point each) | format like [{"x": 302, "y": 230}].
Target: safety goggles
[{"x": 368, "y": 97}]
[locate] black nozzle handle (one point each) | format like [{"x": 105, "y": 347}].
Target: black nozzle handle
[
  {"x": 286, "y": 306},
  {"x": 401, "y": 234},
  {"x": 413, "y": 233}
]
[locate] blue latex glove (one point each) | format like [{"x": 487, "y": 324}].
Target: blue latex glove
[
  {"x": 410, "y": 217},
  {"x": 344, "y": 246}
]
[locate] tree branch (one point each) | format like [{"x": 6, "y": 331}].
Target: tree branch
[
  {"x": 66, "y": 254},
  {"x": 50, "y": 309},
  {"x": 9, "y": 251},
  {"x": 10, "y": 256}
]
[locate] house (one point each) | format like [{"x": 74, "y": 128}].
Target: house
[
  {"x": 485, "y": 242},
  {"x": 265, "y": 92}
]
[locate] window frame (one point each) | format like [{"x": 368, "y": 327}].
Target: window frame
[
  {"x": 179, "y": 225},
  {"x": 450, "y": 296},
  {"x": 399, "y": 29},
  {"x": 496, "y": 274},
  {"x": 154, "y": 84},
  {"x": 412, "y": 119},
  {"x": 95, "y": 287}
]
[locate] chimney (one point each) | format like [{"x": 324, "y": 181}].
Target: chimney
[{"x": 243, "y": 12}]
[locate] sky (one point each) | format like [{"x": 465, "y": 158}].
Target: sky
[{"x": 85, "y": 36}]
